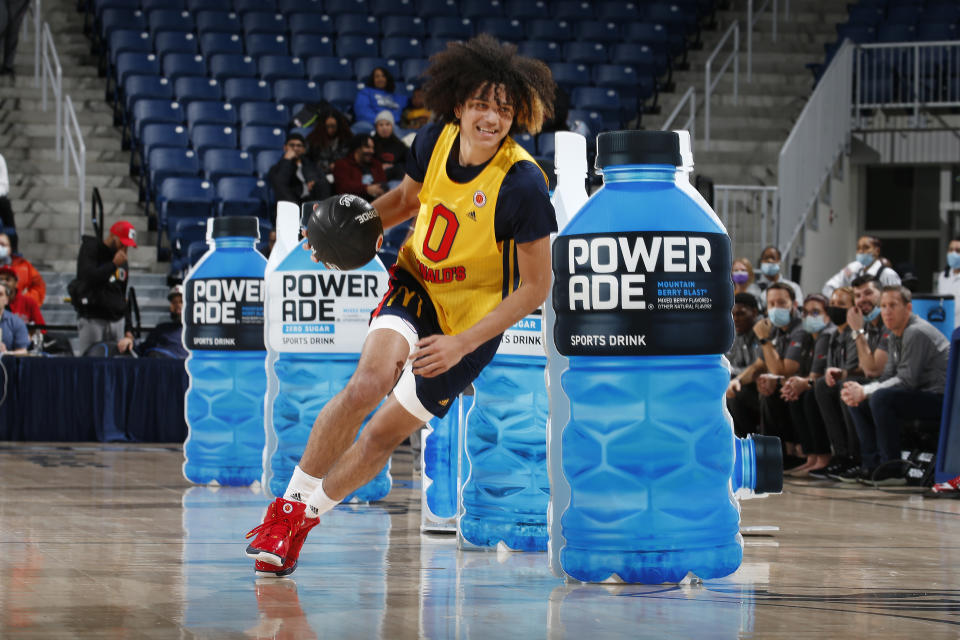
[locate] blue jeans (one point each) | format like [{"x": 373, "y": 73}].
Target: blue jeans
[{"x": 878, "y": 421}]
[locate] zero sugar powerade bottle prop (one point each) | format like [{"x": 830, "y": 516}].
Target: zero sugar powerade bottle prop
[
  {"x": 641, "y": 448},
  {"x": 223, "y": 331}
]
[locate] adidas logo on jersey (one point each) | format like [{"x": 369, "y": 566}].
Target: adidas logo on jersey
[{"x": 472, "y": 215}]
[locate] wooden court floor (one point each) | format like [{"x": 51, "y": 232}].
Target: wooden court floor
[{"x": 109, "y": 541}]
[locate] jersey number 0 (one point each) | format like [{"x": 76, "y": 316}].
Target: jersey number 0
[{"x": 450, "y": 227}]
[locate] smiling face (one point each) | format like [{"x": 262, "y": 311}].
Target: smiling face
[
  {"x": 485, "y": 120},
  {"x": 866, "y": 297}
]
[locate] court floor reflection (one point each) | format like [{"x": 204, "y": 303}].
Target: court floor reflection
[{"x": 109, "y": 541}]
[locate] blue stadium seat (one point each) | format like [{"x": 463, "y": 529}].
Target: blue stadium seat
[
  {"x": 246, "y": 6},
  {"x": 587, "y": 52},
  {"x": 267, "y": 44},
  {"x": 631, "y": 83},
  {"x": 293, "y": 91},
  {"x": 288, "y": 7},
  {"x": 158, "y": 135},
  {"x": 273, "y": 68},
  {"x": 623, "y": 11},
  {"x": 195, "y": 6},
  {"x": 238, "y": 91},
  {"x": 218, "y": 22},
  {"x": 336, "y": 7},
  {"x": 541, "y": 50},
  {"x": 121, "y": 19},
  {"x": 573, "y": 10},
  {"x": 526, "y": 141},
  {"x": 550, "y": 30},
  {"x": 99, "y": 6},
  {"x": 593, "y": 120},
  {"x": 412, "y": 68},
  {"x": 865, "y": 16},
  {"x": 401, "y": 48},
  {"x": 945, "y": 12},
  {"x": 255, "y": 139},
  {"x": 164, "y": 163},
  {"x": 232, "y": 65},
  {"x": 266, "y": 159},
  {"x": 362, "y": 127},
  {"x": 195, "y": 251},
  {"x": 475, "y": 9},
  {"x": 129, "y": 64},
  {"x": 341, "y": 94},
  {"x": 153, "y": 87},
  {"x": 570, "y": 74},
  {"x": 596, "y": 98},
  {"x": 125, "y": 41},
  {"x": 931, "y": 32},
  {"x": 263, "y": 22},
  {"x": 410, "y": 26},
  {"x": 226, "y": 162},
  {"x": 393, "y": 8},
  {"x": 896, "y": 32},
  {"x": 150, "y": 111},
  {"x": 264, "y": 114},
  {"x": 191, "y": 89},
  {"x": 242, "y": 196},
  {"x": 858, "y": 34},
  {"x": 433, "y": 8},
  {"x": 436, "y": 45},
  {"x": 352, "y": 24},
  {"x": 450, "y": 28},
  {"x": 173, "y": 5},
  {"x": 642, "y": 56},
  {"x": 219, "y": 113},
  {"x": 184, "y": 197},
  {"x": 363, "y": 67},
  {"x": 598, "y": 31},
  {"x": 182, "y": 233},
  {"x": 904, "y": 14},
  {"x": 357, "y": 46},
  {"x": 323, "y": 68},
  {"x": 174, "y": 42},
  {"x": 212, "y": 44},
  {"x": 305, "y": 46},
  {"x": 212, "y": 136},
  {"x": 170, "y": 20},
  {"x": 183, "y": 65},
  {"x": 505, "y": 29},
  {"x": 546, "y": 144},
  {"x": 671, "y": 15},
  {"x": 312, "y": 23},
  {"x": 526, "y": 10}
]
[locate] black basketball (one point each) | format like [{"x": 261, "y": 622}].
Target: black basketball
[{"x": 344, "y": 232}]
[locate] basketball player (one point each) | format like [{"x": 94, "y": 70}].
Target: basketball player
[{"x": 477, "y": 262}]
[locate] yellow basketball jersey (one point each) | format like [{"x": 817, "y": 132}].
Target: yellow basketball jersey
[{"x": 453, "y": 251}]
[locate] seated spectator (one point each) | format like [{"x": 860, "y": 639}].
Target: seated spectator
[
  {"x": 24, "y": 306},
  {"x": 6, "y": 209},
  {"x": 29, "y": 281},
  {"x": 770, "y": 269},
  {"x": 416, "y": 113},
  {"x": 388, "y": 148},
  {"x": 295, "y": 178},
  {"x": 166, "y": 339},
  {"x": 359, "y": 172},
  {"x": 746, "y": 363},
  {"x": 329, "y": 140},
  {"x": 868, "y": 261},
  {"x": 842, "y": 364},
  {"x": 866, "y": 324},
  {"x": 798, "y": 392},
  {"x": 743, "y": 279},
  {"x": 911, "y": 387},
  {"x": 379, "y": 93},
  {"x": 787, "y": 351},
  {"x": 13, "y": 331},
  {"x": 948, "y": 282}
]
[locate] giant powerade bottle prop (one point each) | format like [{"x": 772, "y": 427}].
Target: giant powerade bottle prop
[
  {"x": 223, "y": 331},
  {"x": 317, "y": 321},
  {"x": 641, "y": 449}
]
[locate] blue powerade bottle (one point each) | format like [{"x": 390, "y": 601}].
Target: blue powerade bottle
[
  {"x": 641, "y": 446},
  {"x": 223, "y": 331},
  {"x": 317, "y": 320},
  {"x": 440, "y": 447},
  {"x": 503, "y": 473}
]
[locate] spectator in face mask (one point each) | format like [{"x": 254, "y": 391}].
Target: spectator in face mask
[
  {"x": 29, "y": 281},
  {"x": 746, "y": 363},
  {"x": 770, "y": 270},
  {"x": 787, "y": 349},
  {"x": 744, "y": 280},
  {"x": 948, "y": 283},
  {"x": 868, "y": 261}
]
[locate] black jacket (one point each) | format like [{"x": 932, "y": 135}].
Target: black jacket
[
  {"x": 103, "y": 285},
  {"x": 287, "y": 186}
]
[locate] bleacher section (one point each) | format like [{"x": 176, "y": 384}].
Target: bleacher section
[{"x": 205, "y": 89}]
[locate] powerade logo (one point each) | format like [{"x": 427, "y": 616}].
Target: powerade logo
[
  {"x": 310, "y": 297},
  {"x": 224, "y": 314},
  {"x": 642, "y": 293}
]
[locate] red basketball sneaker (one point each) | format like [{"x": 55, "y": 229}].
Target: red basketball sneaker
[
  {"x": 265, "y": 570},
  {"x": 275, "y": 534}
]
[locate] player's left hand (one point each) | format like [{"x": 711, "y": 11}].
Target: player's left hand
[{"x": 436, "y": 354}]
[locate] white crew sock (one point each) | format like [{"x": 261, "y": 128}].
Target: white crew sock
[
  {"x": 301, "y": 486},
  {"x": 319, "y": 503}
]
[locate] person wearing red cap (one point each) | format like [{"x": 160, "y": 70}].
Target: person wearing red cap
[
  {"x": 20, "y": 304},
  {"x": 102, "y": 289},
  {"x": 29, "y": 281}
]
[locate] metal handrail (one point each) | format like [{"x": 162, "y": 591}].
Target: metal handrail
[
  {"x": 77, "y": 152},
  {"x": 37, "y": 22},
  {"x": 752, "y": 18},
  {"x": 53, "y": 76},
  {"x": 767, "y": 207},
  {"x": 734, "y": 57},
  {"x": 689, "y": 96}
]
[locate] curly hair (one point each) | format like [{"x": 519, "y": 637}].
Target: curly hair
[
  {"x": 461, "y": 70},
  {"x": 391, "y": 85}
]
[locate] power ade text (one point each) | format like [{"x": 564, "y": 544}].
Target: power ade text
[
  {"x": 310, "y": 297},
  {"x": 611, "y": 280},
  {"x": 221, "y": 301}
]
